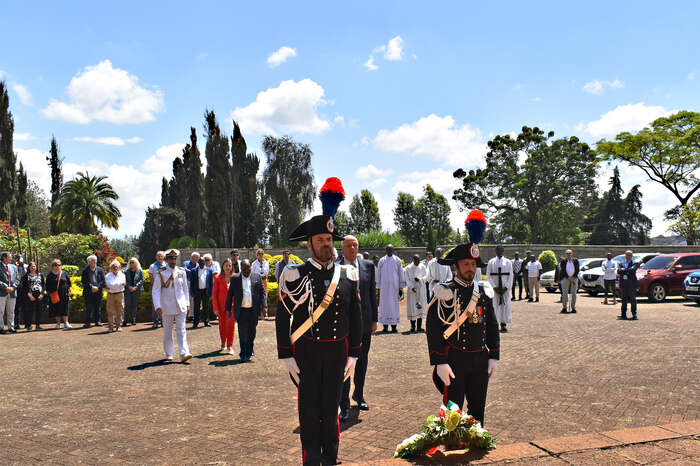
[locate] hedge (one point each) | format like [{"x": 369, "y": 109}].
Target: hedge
[{"x": 548, "y": 260}]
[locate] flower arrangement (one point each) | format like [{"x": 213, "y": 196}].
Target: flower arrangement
[{"x": 451, "y": 428}]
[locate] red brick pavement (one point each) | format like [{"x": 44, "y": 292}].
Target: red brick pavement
[{"x": 85, "y": 396}]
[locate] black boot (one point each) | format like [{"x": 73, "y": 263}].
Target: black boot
[
  {"x": 393, "y": 329},
  {"x": 413, "y": 326},
  {"x": 419, "y": 326},
  {"x": 386, "y": 329},
  {"x": 503, "y": 328}
]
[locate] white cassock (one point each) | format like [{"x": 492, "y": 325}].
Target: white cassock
[
  {"x": 438, "y": 273},
  {"x": 172, "y": 296},
  {"x": 416, "y": 300},
  {"x": 501, "y": 303},
  {"x": 390, "y": 280}
]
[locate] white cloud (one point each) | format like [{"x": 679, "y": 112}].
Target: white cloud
[
  {"x": 280, "y": 56},
  {"x": 691, "y": 75},
  {"x": 536, "y": 99},
  {"x": 22, "y": 136},
  {"x": 631, "y": 117},
  {"x": 290, "y": 107},
  {"x": 138, "y": 186},
  {"x": 594, "y": 87},
  {"x": 23, "y": 93},
  {"x": 110, "y": 140},
  {"x": 437, "y": 137},
  {"x": 369, "y": 64},
  {"x": 104, "y": 93},
  {"x": 597, "y": 87},
  {"x": 339, "y": 119},
  {"x": 377, "y": 182},
  {"x": 370, "y": 171},
  {"x": 392, "y": 51}
]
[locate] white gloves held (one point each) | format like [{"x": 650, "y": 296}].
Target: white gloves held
[
  {"x": 444, "y": 371},
  {"x": 349, "y": 368},
  {"x": 292, "y": 368},
  {"x": 493, "y": 365}
]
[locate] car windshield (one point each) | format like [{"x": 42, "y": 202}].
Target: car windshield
[{"x": 659, "y": 262}]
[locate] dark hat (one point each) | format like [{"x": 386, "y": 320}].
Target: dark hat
[
  {"x": 476, "y": 224},
  {"x": 331, "y": 195}
]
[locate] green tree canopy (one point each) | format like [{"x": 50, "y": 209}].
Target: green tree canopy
[
  {"x": 248, "y": 223},
  {"x": 364, "y": 213},
  {"x": 535, "y": 182},
  {"x": 287, "y": 186},
  {"x": 56, "y": 166},
  {"x": 668, "y": 152},
  {"x": 688, "y": 223},
  {"x": 423, "y": 222},
  {"x": 406, "y": 219},
  {"x": 160, "y": 227},
  {"x": 217, "y": 183},
  {"x": 85, "y": 201}
]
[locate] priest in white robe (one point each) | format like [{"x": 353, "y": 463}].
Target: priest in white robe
[
  {"x": 416, "y": 300},
  {"x": 390, "y": 282},
  {"x": 499, "y": 273},
  {"x": 437, "y": 273}
]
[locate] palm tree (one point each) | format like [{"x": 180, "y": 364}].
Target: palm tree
[{"x": 84, "y": 200}]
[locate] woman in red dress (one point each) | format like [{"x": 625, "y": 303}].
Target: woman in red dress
[{"x": 227, "y": 324}]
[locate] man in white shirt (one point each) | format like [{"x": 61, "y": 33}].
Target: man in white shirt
[
  {"x": 609, "y": 276},
  {"x": 115, "y": 281},
  {"x": 212, "y": 264},
  {"x": 261, "y": 267},
  {"x": 534, "y": 270},
  {"x": 171, "y": 301}
]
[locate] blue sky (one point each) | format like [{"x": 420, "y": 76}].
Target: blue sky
[{"x": 390, "y": 95}]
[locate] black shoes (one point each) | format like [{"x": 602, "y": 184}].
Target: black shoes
[
  {"x": 529, "y": 300},
  {"x": 88, "y": 325},
  {"x": 344, "y": 415},
  {"x": 563, "y": 311},
  {"x": 503, "y": 328},
  {"x": 363, "y": 405},
  {"x": 622, "y": 318},
  {"x": 573, "y": 311},
  {"x": 386, "y": 329},
  {"x": 634, "y": 317},
  {"x": 206, "y": 324},
  {"x": 393, "y": 329}
]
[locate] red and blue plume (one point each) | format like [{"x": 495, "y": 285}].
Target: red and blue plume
[
  {"x": 476, "y": 225},
  {"x": 331, "y": 195}
]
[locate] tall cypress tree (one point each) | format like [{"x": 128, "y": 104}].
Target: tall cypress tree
[
  {"x": 217, "y": 183},
  {"x": 8, "y": 159},
  {"x": 247, "y": 222},
  {"x": 56, "y": 166},
  {"x": 20, "y": 212},
  {"x": 165, "y": 193},
  {"x": 636, "y": 223},
  {"x": 195, "y": 209},
  {"x": 177, "y": 195},
  {"x": 610, "y": 225}
]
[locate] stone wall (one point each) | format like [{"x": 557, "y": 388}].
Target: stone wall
[{"x": 487, "y": 251}]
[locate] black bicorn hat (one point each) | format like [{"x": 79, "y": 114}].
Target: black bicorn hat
[
  {"x": 476, "y": 224},
  {"x": 331, "y": 195}
]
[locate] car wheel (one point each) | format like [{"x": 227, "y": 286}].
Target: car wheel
[{"x": 657, "y": 292}]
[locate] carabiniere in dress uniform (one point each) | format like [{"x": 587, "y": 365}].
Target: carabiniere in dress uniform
[
  {"x": 462, "y": 330},
  {"x": 319, "y": 329}
]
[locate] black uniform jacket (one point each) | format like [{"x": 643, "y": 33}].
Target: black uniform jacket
[
  {"x": 471, "y": 337},
  {"x": 342, "y": 319}
]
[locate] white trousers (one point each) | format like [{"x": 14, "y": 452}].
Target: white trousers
[
  {"x": 7, "y": 304},
  {"x": 179, "y": 320}
]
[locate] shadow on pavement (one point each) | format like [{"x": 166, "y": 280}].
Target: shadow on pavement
[
  {"x": 146, "y": 365},
  {"x": 230, "y": 362},
  {"x": 106, "y": 332},
  {"x": 211, "y": 354}
]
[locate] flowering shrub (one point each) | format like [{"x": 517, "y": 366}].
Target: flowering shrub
[
  {"x": 451, "y": 428},
  {"x": 273, "y": 260}
]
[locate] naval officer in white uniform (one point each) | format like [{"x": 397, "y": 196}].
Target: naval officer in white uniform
[{"x": 171, "y": 300}]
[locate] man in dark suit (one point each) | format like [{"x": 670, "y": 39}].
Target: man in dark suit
[
  {"x": 568, "y": 280},
  {"x": 8, "y": 293},
  {"x": 368, "y": 302},
  {"x": 93, "y": 281},
  {"x": 627, "y": 273},
  {"x": 247, "y": 297}
]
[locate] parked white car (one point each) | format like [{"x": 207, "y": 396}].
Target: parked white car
[
  {"x": 591, "y": 280},
  {"x": 547, "y": 278},
  {"x": 547, "y": 281}
]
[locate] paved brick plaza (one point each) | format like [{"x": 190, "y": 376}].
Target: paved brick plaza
[{"x": 88, "y": 396}]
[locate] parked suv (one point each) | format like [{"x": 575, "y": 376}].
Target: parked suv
[
  {"x": 664, "y": 275},
  {"x": 691, "y": 286}
]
